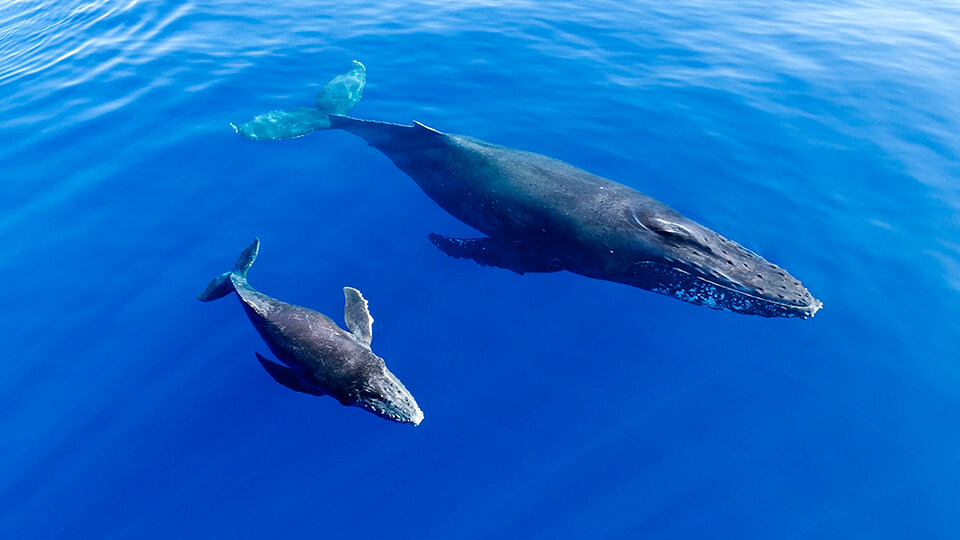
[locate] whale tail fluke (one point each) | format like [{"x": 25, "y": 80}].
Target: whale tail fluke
[
  {"x": 337, "y": 97},
  {"x": 223, "y": 284}
]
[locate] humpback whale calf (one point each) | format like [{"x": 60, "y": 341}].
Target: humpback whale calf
[
  {"x": 320, "y": 357},
  {"x": 540, "y": 214}
]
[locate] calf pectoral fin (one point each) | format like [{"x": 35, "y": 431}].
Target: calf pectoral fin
[
  {"x": 507, "y": 254},
  {"x": 286, "y": 376},
  {"x": 357, "y": 316}
]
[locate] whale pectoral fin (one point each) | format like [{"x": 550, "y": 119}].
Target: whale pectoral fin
[
  {"x": 357, "y": 316},
  {"x": 507, "y": 254},
  {"x": 286, "y": 376},
  {"x": 284, "y": 124}
]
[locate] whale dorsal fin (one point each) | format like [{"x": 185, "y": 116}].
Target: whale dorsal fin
[
  {"x": 429, "y": 129},
  {"x": 357, "y": 316}
]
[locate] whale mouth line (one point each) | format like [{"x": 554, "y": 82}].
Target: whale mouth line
[
  {"x": 807, "y": 309},
  {"x": 811, "y": 307},
  {"x": 403, "y": 409},
  {"x": 388, "y": 414}
]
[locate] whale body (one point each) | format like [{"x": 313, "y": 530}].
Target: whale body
[
  {"x": 539, "y": 214},
  {"x": 319, "y": 357}
]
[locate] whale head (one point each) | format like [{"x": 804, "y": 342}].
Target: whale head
[
  {"x": 683, "y": 259},
  {"x": 381, "y": 393}
]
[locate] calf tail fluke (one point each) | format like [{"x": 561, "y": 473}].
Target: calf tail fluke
[
  {"x": 337, "y": 97},
  {"x": 223, "y": 284}
]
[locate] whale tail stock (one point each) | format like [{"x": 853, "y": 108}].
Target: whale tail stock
[
  {"x": 225, "y": 283},
  {"x": 337, "y": 97}
]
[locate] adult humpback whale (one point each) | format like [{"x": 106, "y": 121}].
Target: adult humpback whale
[
  {"x": 543, "y": 215},
  {"x": 321, "y": 359}
]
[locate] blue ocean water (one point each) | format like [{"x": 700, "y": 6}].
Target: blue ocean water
[{"x": 823, "y": 135}]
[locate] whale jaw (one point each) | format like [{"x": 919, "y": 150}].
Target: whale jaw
[{"x": 722, "y": 294}]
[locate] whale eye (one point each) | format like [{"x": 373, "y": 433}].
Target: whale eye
[{"x": 671, "y": 230}]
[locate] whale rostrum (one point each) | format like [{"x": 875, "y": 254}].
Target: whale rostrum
[
  {"x": 317, "y": 356},
  {"x": 539, "y": 214}
]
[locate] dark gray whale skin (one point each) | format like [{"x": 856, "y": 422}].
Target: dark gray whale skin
[
  {"x": 543, "y": 215},
  {"x": 320, "y": 358}
]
